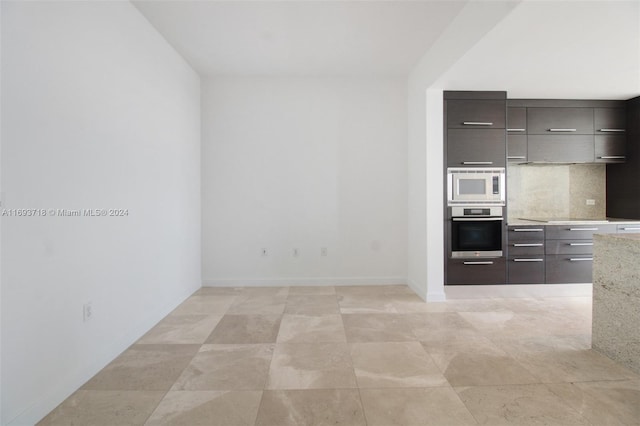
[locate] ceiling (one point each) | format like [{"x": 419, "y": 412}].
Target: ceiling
[
  {"x": 556, "y": 49},
  {"x": 301, "y": 37}
]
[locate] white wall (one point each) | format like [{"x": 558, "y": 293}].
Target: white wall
[
  {"x": 425, "y": 142},
  {"x": 304, "y": 163},
  {"x": 98, "y": 111}
]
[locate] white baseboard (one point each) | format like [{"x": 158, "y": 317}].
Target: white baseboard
[
  {"x": 436, "y": 297},
  {"x": 47, "y": 402},
  {"x": 303, "y": 282},
  {"x": 417, "y": 289},
  {"x": 518, "y": 290}
]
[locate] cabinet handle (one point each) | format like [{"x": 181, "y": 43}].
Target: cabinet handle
[
  {"x": 612, "y": 130},
  {"x": 527, "y": 230},
  {"x": 579, "y": 244},
  {"x": 580, "y": 259},
  {"x": 631, "y": 229},
  {"x": 516, "y": 130},
  {"x": 518, "y": 157},
  {"x": 563, "y": 130},
  {"x": 528, "y": 260},
  {"x": 583, "y": 229},
  {"x": 529, "y": 245},
  {"x": 477, "y": 219},
  {"x": 613, "y": 157},
  {"x": 478, "y": 263},
  {"x": 477, "y": 123},
  {"x": 477, "y": 163}
]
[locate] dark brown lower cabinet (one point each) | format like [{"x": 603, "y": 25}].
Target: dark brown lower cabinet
[
  {"x": 476, "y": 271},
  {"x": 525, "y": 270},
  {"x": 569, "y": 246},
  {"x": 568, "y": 268}
]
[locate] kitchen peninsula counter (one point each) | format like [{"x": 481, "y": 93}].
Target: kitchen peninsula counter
[{"x": 616, "y": 298}]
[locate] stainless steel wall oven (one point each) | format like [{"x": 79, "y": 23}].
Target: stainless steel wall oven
[{"x": 476, "y": 232}]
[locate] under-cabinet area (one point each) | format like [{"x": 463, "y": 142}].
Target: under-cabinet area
[{"x": 528, "y": 182}]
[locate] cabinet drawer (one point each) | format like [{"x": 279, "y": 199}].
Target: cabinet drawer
[
  {"x": 609, "y": 120},
  {"x": 569, "y": 247},
  {"x": 476, "y": 114},
  {"x": 610, "y": 148},
  {"x": 627, "y": 229},
  {"x": 525, "y": 233},
  {"x": 568, "y": 269},
  {"x": 560, "y": 148},
  {"x": 525, "y": 248},
  {"x": 468, "y": 147},
  {"x": 516, "y": 148},
  {"x": 476, "y": 271},
  {"x": 547, "y": 120},
  {"x": 577, "y": 232},
  {"x": 525, "y": 270}
]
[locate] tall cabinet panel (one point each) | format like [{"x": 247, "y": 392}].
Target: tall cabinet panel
[
  {"x": 623, "y": 180},
  {"x": 475, "y": 136}
]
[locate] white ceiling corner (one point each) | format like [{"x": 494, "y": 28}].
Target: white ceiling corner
[{"x": 300, "y": 37}]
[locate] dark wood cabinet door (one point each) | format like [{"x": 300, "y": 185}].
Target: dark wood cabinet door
[
  {"x": 473, "y": 148},
  {"x": 560, "y": 148},
  {"x": 609, "y": 120},
  {"x": 569, "y": 247},
  {"x": 577, "y": 232},
  {"x": 525, "y": 248},
  {"x": 610, "y": 148},
  {"x": 630, "y": 228},
  {"x": 517, "y": 120},
  {"x": 525, "y": 270},
  {"x": 516, "y": 148},
  {"x": 476, "y": 271},
  {"x": 550, "y": 121},
  {"x": 562, "y": 269},
  {"x": 476, "y": 114},
  {"x": 525, "y": 233}
]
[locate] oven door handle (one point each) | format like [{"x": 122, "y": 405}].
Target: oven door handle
[{"x": 476, "y": 219}]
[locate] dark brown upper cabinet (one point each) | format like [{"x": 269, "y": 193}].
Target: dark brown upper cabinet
[
  {"x": 476, "y": 114},
  {"x": 559, "y": 121},
  {"x": 473, "y": 148},
  {"x": 609, "y": 121},
  {"x": 474, "y": 130},
  {"x": 567, "y": 131},
  {"x": 517, "y": 134},
  {"x": 517, "y": 120},
  {"x": 610, "y": 148},
  {"x": 560, "y": 148}
]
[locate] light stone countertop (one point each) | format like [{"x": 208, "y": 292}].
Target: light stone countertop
[
  {"x": 633, "y": 239},
  {"x": 616, "y": 298},
  {"x": 608, "y": 221}
]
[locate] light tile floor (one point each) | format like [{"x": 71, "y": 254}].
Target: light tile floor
[{"x": 360, "y": 356}]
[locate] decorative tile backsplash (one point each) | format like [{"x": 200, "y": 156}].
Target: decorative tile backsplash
[{"x": 556, "y": 190}]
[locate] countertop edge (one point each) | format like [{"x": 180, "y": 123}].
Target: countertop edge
[{"x": 609, "y": 221}]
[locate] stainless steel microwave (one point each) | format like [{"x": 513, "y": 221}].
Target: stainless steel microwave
[{"x": 476, "y": 186}]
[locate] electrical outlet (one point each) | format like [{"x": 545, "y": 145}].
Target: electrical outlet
[
  {"x": 264, "y": 252},
  {"x": 323, "y": 251},
  {"x": 87, "y": 312},
  {"x": 591, "y": 202},
  {"x": 296, "y": 252}
]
